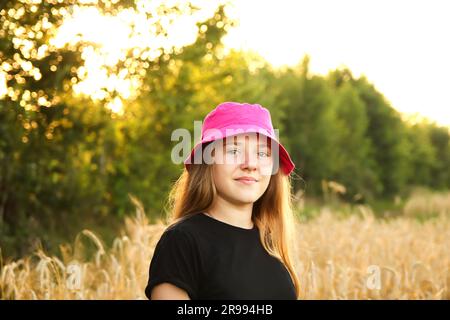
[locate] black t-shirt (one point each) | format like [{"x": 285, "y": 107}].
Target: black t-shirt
[{"x": 211, "y": 259}]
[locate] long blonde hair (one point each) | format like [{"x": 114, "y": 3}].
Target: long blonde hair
[{"x": 194, "y": 192}]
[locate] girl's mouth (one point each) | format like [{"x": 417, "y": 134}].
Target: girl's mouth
[{"x": 247, "y": 181}]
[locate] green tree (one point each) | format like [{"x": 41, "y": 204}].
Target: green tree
[
  {"x": 421, "y": 155},
  {"x": 387, "y": 133},
  {"x": 311, "y": 125},
  {"x": 62, "y": 156},
  {"x": 440, "y": 139},
  {"x": 354, "y": 162}
]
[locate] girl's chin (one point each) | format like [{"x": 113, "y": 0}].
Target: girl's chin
[{"x": 245, "y": 199}]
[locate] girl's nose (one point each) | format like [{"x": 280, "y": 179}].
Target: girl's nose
[{"x": 250, "y": 160}]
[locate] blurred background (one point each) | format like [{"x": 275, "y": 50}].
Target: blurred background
[{"x": 91, "y": 90}]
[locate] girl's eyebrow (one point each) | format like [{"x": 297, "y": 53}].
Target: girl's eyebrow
[{"x": 239, "y": 143}]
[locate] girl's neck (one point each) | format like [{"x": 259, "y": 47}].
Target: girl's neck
[{"x": 240, "y": 216}]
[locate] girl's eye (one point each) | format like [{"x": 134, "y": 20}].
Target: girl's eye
[
  {"x": 261, "y": 154},
  {"x": 232, "y": 151}
]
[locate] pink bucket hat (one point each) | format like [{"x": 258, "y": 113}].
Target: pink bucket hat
[{"x": 229, "y": 117}]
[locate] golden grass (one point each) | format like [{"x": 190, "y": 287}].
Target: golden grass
[
  {"x": 426, "y": 203},
  {"x": 338, "y": 258}
]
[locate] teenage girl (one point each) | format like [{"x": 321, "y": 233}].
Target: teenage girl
[{"x": 232, "y": 225}]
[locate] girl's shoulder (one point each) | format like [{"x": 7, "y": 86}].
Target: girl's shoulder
[
  {"x": 188, "y": 225},
  {"x": 190, "y": 232}
]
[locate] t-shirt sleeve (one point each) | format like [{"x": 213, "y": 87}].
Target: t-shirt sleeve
[{"x": 175, "y": 260}]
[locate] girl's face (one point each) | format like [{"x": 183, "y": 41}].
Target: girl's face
[{"x": 246, "y": 155}]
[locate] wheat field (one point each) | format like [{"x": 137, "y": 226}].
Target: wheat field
[{"x": 356, "y": 257}]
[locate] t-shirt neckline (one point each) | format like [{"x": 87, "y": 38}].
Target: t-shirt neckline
[{"x": 229, "y": 225}]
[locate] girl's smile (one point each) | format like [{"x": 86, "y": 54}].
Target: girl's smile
[{"x": 247, "y": 180}]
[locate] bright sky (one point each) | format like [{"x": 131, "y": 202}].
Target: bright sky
[{"x": 401, "y": 46}]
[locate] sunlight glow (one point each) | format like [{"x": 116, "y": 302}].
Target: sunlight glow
[
  {"x": 403, "y": 55},
  {"x": 113, "y": 36},
  {"x": 398, "y": 45},
  {"x": 3, "y": 84}
]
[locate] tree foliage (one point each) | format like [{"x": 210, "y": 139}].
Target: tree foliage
[{"x": 67, "y": 161}]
